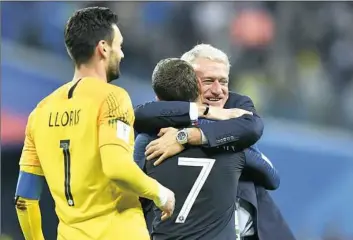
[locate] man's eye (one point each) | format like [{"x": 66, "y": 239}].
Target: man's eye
[
  {"x": 223, "y": 82},
  {"x": 207, "y": 81}
]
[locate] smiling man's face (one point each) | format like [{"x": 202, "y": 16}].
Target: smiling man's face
[{"x": 213, "y": 77}]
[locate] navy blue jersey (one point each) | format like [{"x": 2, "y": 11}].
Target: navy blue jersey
[{"x": 205, "y": 185}]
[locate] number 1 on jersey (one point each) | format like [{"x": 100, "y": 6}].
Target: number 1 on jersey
[
  {"x": 65, "y": 145},
  {"x": 206, "y": 164}
]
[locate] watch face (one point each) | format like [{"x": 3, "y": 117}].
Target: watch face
[{"x": 182, "y": 137}]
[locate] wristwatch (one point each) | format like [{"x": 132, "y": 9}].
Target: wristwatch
[{"x": 182, "y": 136}]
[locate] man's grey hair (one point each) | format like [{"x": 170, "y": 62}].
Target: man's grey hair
[{"x": 205, "y": 51}]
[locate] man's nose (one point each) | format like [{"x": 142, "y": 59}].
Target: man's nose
[{"x": 216, "y": 87}]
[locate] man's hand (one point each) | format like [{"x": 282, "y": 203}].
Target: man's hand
[
  {"x": 165, "y": 146},
  {"x": 237, "y": 112},
  {"x": 166, "y": 202},
  {"x": 216, "y": 113}
]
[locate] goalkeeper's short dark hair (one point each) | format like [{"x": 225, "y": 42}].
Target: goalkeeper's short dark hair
[
  {"x": 174, "y": 79},
  {"x": 85, "y": 29}
]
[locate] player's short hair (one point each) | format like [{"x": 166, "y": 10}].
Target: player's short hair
[
  {"x": 206, "y": 51},
  {"x": 175, "y": 80},
  {"x": 85, "y": 29}
]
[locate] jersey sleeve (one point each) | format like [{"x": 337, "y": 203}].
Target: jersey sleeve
[
  {"x": 116, "y": 121},
  {"x": 29, "y": 216},
  {"x": 29, "y": 187},
  {"x": 29, "y": 159},
  {"x": 116, "y": 140}
]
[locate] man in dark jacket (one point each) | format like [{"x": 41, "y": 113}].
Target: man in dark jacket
[{"x": 259, "y": 218}]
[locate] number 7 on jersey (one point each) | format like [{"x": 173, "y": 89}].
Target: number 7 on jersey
[{"x": 206, "y": 164}]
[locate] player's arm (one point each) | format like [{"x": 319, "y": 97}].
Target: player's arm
[
  {"x": 141, "y": 142},
  {"x": 29, "y": 188},
  {"x": 261, "y": 169},
  {"x": 152, "y": 116},
  {"x": 116, "y": 138},
  {"x": 239, "y": 130}
]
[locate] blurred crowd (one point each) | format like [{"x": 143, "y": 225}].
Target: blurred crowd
[{"x": 295, "y": 59}]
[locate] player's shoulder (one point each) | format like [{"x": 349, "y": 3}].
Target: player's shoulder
[
  {"x": 236, "y": 99},
  {"x": 237, "y": 96},
  {"x": 52, "y": 96},
  {"x": 194, "y": 152},
  {"x": 105, "y": 90},
  {"x": 116, "y": 101},
  {"x": 46, "y": 101},
  {"x": 117, "y": 91}
]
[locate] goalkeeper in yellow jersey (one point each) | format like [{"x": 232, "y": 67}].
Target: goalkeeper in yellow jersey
[{"x": 80, "y": 138}]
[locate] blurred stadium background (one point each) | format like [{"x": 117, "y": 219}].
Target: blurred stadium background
[{"x": 294, "y": 59}]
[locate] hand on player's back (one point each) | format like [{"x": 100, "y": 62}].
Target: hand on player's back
[
  {"x": 165, "y": 202},
  {"x": 217, "y": 113},
  {"x": 164, "y": 147}
]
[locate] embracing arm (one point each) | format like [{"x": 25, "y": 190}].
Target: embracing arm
[
  {"x": 152, "y": 116},
  {"x": 240, "y": 132},
  {"x": 260, "y": 169}
]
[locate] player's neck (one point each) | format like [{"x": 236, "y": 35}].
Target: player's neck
[{"x": 85, "y": 71}]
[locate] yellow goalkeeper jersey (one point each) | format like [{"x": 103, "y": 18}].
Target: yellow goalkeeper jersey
[{"x": 63, "y": 139}]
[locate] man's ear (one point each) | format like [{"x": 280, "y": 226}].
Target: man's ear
[{"x": 102, "y": 48}]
